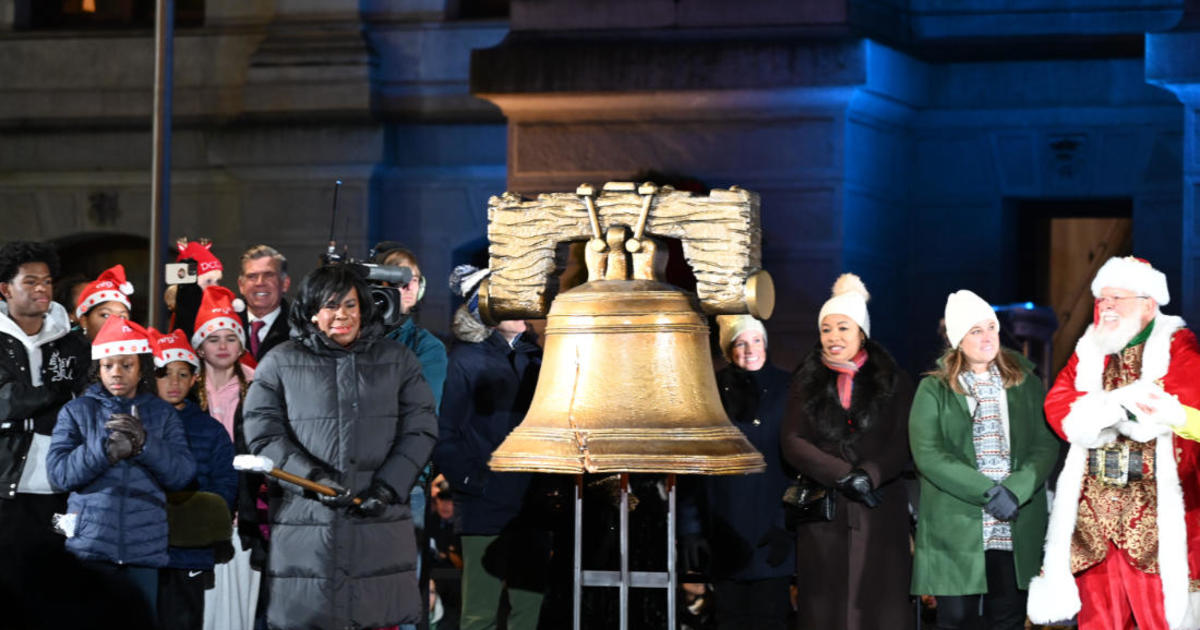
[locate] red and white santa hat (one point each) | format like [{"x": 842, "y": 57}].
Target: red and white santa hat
[
  {"x": 1132, "y": 274},
  {"x": 120, "y": 336},
  {"x": 172, "y": 347},
  {"x": 111, "y": 286},
  {"x": 199, "y": 252},
  {"x": 219, "y": 309}
]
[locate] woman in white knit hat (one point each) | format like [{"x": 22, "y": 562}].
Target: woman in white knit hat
[
  {"x": 846, "y": 429},
  {"x": 983, "y": 451},
  {"x": 737, "y": 521}
]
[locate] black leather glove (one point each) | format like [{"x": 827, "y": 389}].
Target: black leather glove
[
  {"x": 778, "y": 543},
  {"x": 222, "y": 551},
  {"x": 337, "y": 501},
  {"x": 694, "y": 553},
  {"x": 131, "y": 426},
  {"x": 375, "y": 500},
  {"x": 117, "y": 446},
  {"x": 857, "y": 486},
  {"x": 1002, "y": 503}
]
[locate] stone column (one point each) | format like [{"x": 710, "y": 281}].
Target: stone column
[{"x": 1173, "y": 62}]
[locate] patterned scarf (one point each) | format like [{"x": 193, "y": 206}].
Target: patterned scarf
[
  {"x": 992, "y": 456},
  {"x": 846, "y": 371}
]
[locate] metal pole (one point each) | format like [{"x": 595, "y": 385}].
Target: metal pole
[
  {"x": 671, "y": 575},
  {"x": 624, "y": 587},
  {"x": 160, "y": 177},
  {"x": 578, "y": 589}
]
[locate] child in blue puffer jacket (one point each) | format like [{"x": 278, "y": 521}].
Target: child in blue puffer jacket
[
  {"x": 117, "y": 449},
  {"x": 189, "y": 571}
]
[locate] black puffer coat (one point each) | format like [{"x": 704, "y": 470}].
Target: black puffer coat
[{"x": 358, "y": 414}]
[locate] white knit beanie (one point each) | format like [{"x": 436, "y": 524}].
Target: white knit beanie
[
  {"x": 850, "y": 299},
  {"x": 1132, "y": 274},
  {"x": 733, "y": 326},
  {"x": 964, "y": 309}
]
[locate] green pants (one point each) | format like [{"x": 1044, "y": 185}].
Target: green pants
[{"x": 481, "y": 593}]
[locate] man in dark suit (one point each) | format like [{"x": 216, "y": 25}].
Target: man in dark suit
[{"x": 262, "y": 283}]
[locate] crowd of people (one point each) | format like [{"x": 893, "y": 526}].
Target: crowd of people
[{"x": 118, "y": 442}]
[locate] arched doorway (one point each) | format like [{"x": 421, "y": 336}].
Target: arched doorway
[{"x": 86, "y": 255}]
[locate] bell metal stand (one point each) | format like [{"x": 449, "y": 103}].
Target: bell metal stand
[{"x": 624, "y": 578}]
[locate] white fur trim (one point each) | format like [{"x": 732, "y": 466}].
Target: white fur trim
[
  {"x": 238, "y": 305},
  {"x": 123, "y": 346},
  {"x": 1054, "y": 596},
  {"x": 96, "y": 298},
  {"x": 126, "y": 288},
  {"x": 1181, "y": 608},
  {"x": 214, "y": 324},
  {"x": 1092, "y": 420},
  {"x": 1131, "y": 274}
]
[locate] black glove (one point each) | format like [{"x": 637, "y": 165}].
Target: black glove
[
  {"x": 694, "y": 553},
  {"x": 131, "y": 426},
  {"x": 222, "y": 551},
  {"x": 856, "y": 485},
  {"x": 778, "y": 543},
  {"x": 337, "y": 501},
  {"x": 117, "y": 446},
  {"x": 375, "y": 500},
  {"x": 1002, "y": 503}
]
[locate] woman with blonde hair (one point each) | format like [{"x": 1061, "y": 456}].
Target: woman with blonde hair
[{"x": 983, "y": 452}]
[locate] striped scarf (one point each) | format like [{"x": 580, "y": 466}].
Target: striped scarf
[
  {"x": 846, "y": 371},
  {"x": 992, "y": 456}
]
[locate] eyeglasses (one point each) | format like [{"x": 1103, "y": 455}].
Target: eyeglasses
[{"x": 1101, "y": 301}]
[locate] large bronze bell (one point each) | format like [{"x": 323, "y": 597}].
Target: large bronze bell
[{"x": 627, "y": 381}]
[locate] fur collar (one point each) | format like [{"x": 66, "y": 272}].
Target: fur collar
[
  {"x": 874, "y": 385},
  {"x": 467, "y": 327}
]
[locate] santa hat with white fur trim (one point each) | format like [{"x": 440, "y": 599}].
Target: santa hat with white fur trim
[
  {"x": 734, "y": 325},
  {"x": 172, "y": 347},
  {"x": 120, "y": 336},
  {"x": 850, "y": 299},
  {"x": 219, "y": 309},
  {"x": 1132, "y": 274},
  {"x": 964, "y": 309},
  {"x": 111, "y": 286}
]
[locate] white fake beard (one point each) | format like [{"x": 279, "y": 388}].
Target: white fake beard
[{"x": 1110, "y": 342}]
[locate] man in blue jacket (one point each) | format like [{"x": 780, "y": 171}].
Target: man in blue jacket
[{"x": 489, "y": 385}]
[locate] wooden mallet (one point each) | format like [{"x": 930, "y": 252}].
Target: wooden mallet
[{"x": 260, "y": 464}]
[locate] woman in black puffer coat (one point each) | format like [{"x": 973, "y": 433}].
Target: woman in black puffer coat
[{"x": 341, "y": 405}]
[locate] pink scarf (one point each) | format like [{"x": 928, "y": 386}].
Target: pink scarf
[{"x": 846, "y": 372}]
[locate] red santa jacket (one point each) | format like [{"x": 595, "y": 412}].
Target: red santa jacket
[{"x": 1171, "y": 359}]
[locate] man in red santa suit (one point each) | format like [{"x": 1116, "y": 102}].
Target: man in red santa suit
[{"x": 1124, "y": 537}]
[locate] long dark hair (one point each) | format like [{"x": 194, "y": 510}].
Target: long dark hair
[
  {"x": 322, "y": 285},
  {"x": 146, "y": 384}
]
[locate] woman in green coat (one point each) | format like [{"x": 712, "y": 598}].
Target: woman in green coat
[{"x": 983, "y": 452}]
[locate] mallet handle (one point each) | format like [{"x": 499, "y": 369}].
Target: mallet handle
[{"x": 307, "y": 484}]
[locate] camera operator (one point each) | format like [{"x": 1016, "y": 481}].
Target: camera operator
[{"x": 430, "y": 351}]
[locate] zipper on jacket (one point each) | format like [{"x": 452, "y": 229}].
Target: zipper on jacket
[{"x": 121, "y": 514}]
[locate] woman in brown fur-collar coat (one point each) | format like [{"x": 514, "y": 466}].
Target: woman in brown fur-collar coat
[{"x": 847, "y": 428}]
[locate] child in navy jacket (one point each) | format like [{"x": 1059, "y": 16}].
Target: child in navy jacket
[
  {"x": 181, "y": 584},
  {"x": 118, "y": 448}
]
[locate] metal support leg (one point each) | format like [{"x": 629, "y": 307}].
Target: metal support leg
[
  {"x": 578, "y": 588},
  {"x": 624, "y": 579}
]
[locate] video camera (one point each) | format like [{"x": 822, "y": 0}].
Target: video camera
[{"x": 385, "y": 298}]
